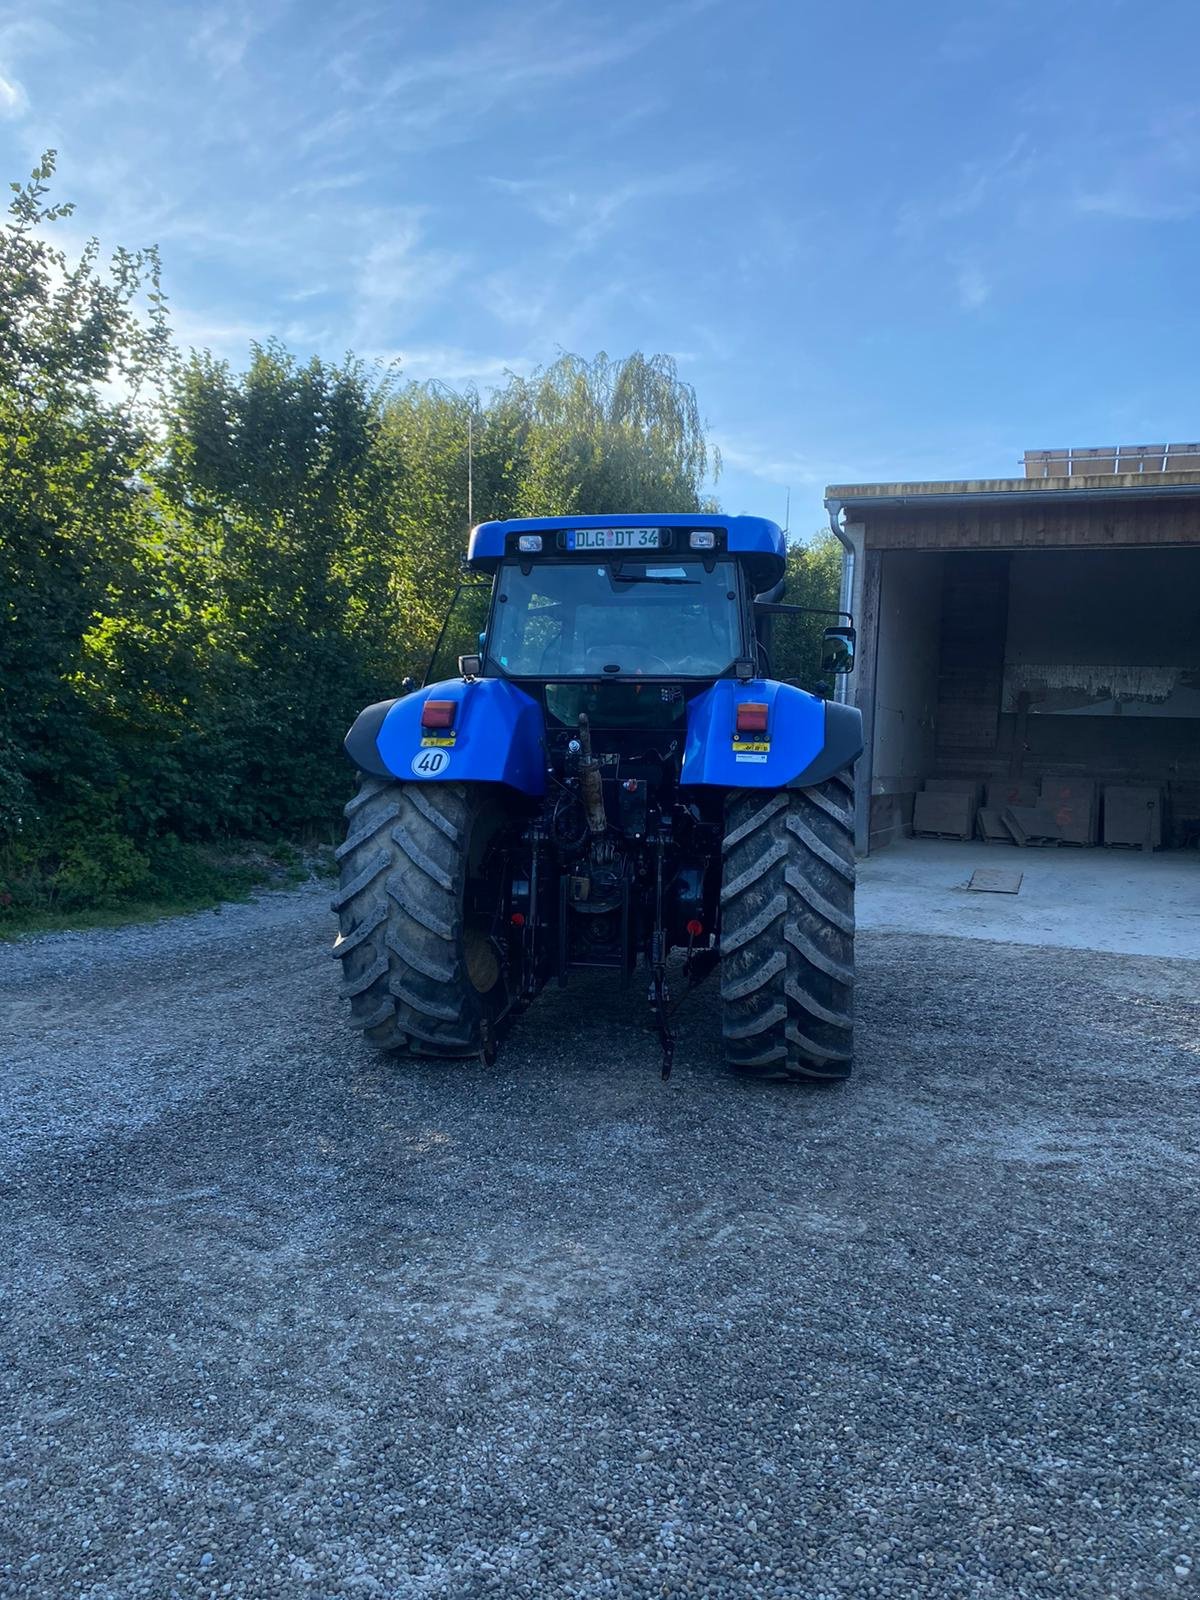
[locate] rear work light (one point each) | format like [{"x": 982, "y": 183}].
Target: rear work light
[
  {"x": 751, "y": 717},
  {"x": 438, "y": 713},
  {"x": 703, "y": 541},
  {"x": 529, "y": 542}
]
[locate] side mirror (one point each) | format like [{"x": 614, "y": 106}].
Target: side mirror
[{"x": 837, "y": 650}]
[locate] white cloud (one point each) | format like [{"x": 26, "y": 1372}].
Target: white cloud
[
  {"x": 772, "y": 466},
  {"x": 587, "y": 216},
  {"x": 527, "y": 51},
  {"x": 399, "y": 275},
  {"x": 1125, "y": 204},
  {"x": 514, "y": 298},
  {"x": 328, "y": 130},
  {"x": 311, "y": 188},
  {"x": 522, "y": 52},
  {"x": 973, "y": 288},
  {"x": 1153, "y": 175},
  {"x": 230, "y": 338},
  {"x": 198, "y": 330},
  {"x": 976, "y": 186},
  {"x": 14, "y": 102},
  {"x": 225, "y": 33},
  {"x": 454, "y": 365},
  {"x": 1152, "y": 193}
]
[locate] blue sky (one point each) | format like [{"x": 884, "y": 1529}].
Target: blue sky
[{"x": 883, "y": 241}]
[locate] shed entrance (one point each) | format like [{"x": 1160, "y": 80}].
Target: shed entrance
[{"x": 1059, "y": 679}]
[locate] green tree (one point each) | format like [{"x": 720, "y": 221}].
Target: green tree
[
  {"x": 82, "y": 351},
  {"x": 204, "y": 573},
  {"x": 279, "y": 472},
  {"x": 610, "y": 435},
  {"x": 814, "y": 578}
]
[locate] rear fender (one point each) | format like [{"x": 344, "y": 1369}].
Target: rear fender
[
  {"x": 498, "y": 736},
  {"x": 806, "y": 740}
]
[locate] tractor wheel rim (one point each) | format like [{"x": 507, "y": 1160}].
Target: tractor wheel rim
[{"x": 481, "y": 961}]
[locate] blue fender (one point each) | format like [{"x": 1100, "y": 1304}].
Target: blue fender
[
  {"x": 806, "y": 740},
  {"x": 498, "y": 737}
]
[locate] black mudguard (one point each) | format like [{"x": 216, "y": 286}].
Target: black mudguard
[
  {"x": 842, "y": 748},
  {"x": 361, "y": 742}
]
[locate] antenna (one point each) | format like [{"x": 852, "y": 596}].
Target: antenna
[{"x": 787, "y": 513}]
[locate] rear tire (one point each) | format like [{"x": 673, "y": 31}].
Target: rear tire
[
  {"x": 787, "y": 931},
  {"x": 418, "y": 978}
]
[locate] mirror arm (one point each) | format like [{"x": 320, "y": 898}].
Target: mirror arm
[
  {"x": 775, "y": 608},
  {"x": 465, "y": 582},
  {"x": 437, "y": 645}
]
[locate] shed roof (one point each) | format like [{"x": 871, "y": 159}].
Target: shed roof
[{"x": 1014, "y": 491}]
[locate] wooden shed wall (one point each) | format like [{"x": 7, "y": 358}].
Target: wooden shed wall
[{"x": 1110, "y": 525}]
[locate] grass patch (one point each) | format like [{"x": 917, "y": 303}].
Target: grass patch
[{"x": 189, "y": 878}]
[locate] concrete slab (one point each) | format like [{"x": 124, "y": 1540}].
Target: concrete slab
[
  {"x": 1115, "y": 900},
  {"x": 995, "y": 880}
]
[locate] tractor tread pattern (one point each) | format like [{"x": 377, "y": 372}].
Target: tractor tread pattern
[
  {"x": 752, "y": 823},
  {"x": 739, "y": 988},
  {"x": 787, "y": 932},
  {"x": 807, "y": 891},
  {"x": 364, "y": 931},
  {"x": 367, "y": 829},
  {"x": 757, "y": 869},
  {"x": 733, "y": 939},
  {"x": 364, "y": 874},
  {"x": 400, "y": 911}
]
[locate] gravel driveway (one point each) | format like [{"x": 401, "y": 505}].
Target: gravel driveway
[{"x": 280, "y": 1319}]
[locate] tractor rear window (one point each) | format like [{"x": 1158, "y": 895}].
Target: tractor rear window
[{"x": 645, "y": 618}]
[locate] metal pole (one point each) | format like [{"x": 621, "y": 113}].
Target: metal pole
[{"x": 834, "y": 507}]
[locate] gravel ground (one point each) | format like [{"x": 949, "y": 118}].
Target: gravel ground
[{"x": 280, "y": 1319}]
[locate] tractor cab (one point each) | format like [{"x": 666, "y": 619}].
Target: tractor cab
[
  {"x": 617, "y": 605},
  {"x": 621, "y": 599}
]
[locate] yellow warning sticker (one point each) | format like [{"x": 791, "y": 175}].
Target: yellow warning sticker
[
  {"x": 443, "y": 743},
  {"x": 760, "y": 745}
]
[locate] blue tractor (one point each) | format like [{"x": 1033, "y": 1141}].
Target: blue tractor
[{"x": 610, "y": 775}]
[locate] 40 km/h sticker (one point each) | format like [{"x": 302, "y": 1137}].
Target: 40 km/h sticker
[{"x": 430, "y": 763}]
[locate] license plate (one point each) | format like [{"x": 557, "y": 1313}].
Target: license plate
[{"x": 615, "y": 539}]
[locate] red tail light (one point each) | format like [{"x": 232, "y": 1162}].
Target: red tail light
[
  {"x": 438, "y": 713},
  {"x": 751, "y": 717}
]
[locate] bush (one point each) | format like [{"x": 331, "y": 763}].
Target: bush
[{"x": 102, "y": 870}]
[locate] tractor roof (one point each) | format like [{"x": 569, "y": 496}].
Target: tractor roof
[{"x": 757, "y": 541}]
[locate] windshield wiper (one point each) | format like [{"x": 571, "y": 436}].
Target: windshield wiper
[{"x": 642, "y": 577}]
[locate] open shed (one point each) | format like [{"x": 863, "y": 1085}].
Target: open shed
[{"x": 1018, "y": 633}]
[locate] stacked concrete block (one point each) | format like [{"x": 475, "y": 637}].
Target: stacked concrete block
[
  {"x": 1075, "y": 805},
  {"x": 1133, "y": 816}
]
